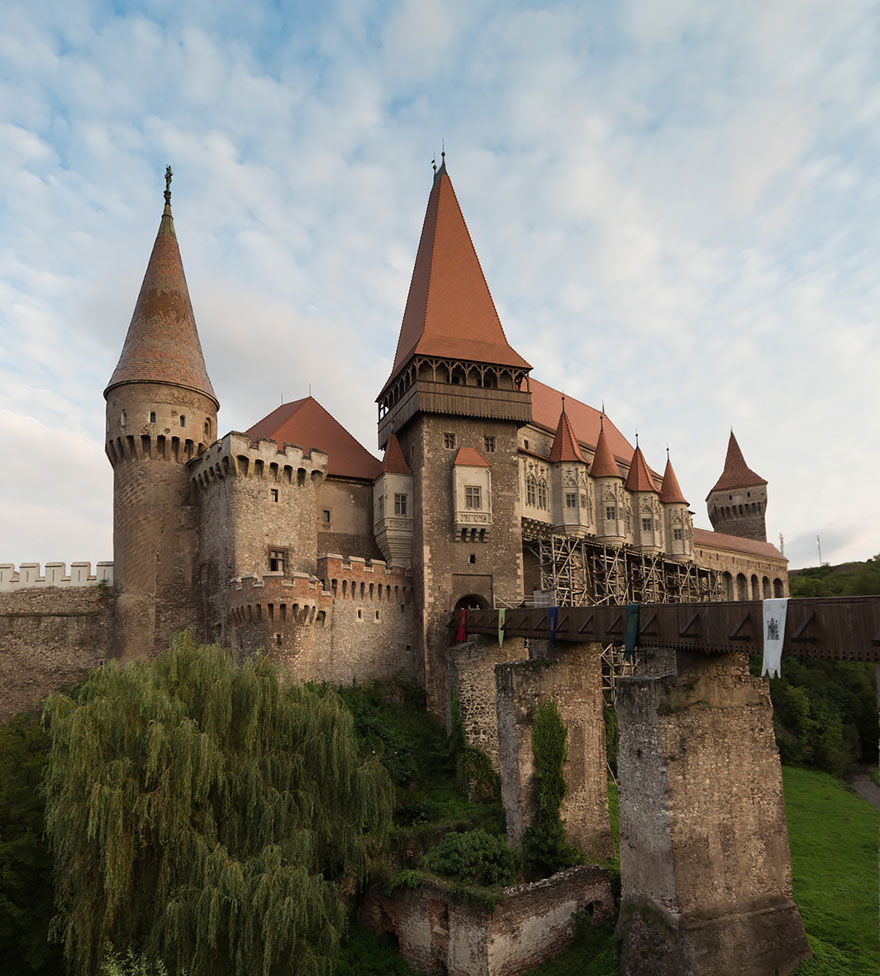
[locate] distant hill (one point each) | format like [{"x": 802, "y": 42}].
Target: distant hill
[{"x": 845, "y": 579}]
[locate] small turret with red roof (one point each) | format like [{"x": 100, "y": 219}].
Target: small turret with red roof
[{"x": 738, "y": 502}]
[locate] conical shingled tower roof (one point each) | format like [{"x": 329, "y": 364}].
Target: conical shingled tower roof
[
  {"x": 162, "y": 344},
  {"x": 670, "y": 493},
  {"x": 394, "y": 462},
  {"x": 565, "y": 445},
  {"x": 639, "y": 478},
  {"x": 449, "y": 311},
  {"x": 604, "y": 465},
  {"x": 736, "y": 473}
]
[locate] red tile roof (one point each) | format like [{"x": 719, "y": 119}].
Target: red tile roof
[
  {"x": 162, "y": 344},
  {"x": 470, "y": 457},
  {"x": 604, "y": 465},
  {"x": 585, "y": 420},
  {"x": 720, "y": 540},
  {"x": 394, "y": 462},
  {"x": 736, "y": 473},
  {"x": 449, "y": 311},
  {"x": 306, "y": 423},
  {"x": 670, "y": 493},
  {"x": 639, "y": 478},
  {"x": 565, "y": 445}
]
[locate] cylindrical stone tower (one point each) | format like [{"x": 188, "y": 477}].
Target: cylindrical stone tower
[
  {"x": 161, "y": 412},
  {"x": 738, "y": 502}
]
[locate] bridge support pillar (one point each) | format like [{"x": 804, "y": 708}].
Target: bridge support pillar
[
  {"x": 572, "y": 677},
  {"x": 704, "y": 858}
]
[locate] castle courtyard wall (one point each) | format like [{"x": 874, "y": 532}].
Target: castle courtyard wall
[{"x": 349, "y": 505}]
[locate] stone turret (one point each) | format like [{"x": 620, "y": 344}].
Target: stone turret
[
  {"x": 738, "y": 501},
  {"x": 393, "y": 507},
  {"x": 161, "y": 412},
  {"x": 676, "y": 517},
  {"x": 647, "y": 512},
  {"x": 572, "y": 503},
  {"x": 613, "y": 511}
]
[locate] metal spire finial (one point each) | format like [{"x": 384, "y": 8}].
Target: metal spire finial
[
  {"x": 637, "y": 439},
  {"x": 434, "y": 163},
  {"x": 168, "y": 175}
]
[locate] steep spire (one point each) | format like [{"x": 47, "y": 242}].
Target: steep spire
[
  {"x": 639, "y": 478},
  {"x": 394, "y": 462},
  {"x": 604, "y": 465},
  {"x": 670, "y": 492},
  {"x": 565, "y": 445},
  {"x": 449, "y": 310},
  {"x": 736, "y": 473},
  {"x": 162, "y": 344}
]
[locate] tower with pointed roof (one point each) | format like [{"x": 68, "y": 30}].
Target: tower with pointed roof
[
  {"x": 738, "y": 501},
  {"x": 572, "y": 507},
  {"x": 679, "y": 529},
  {"x": 647, "y": 513},
  {"x": 161, "y": 412},
  {"x": 456, "y": 396},
  {"x": 613, "y": 507}
]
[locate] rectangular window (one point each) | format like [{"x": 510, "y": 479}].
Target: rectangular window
[
  {"x": 273, "y": 494},
  {"x": 647, "y": 524},
  {"x": 325, "y": 516},
  {"x": 571, "y": 499},
  {"x": 277, "y": 558},
  {"x": 449, "y": 440},
  {"x": 489, "y": 444},
  {"x": 610, "y": 513},
  {"x": 472, "y": 495},
  {"x": 182, "y": 420},
  {"x": 400, "y": 504},
  {"x": 676, "y": 534}
]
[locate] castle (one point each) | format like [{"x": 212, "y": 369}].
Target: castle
[{"x": 293, "y": 538}]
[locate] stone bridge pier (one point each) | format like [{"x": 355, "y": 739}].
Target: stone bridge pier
[{"x": 704, "y": 856}]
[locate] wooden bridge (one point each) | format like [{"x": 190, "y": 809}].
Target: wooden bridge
[{"x": 839, "y": 628}]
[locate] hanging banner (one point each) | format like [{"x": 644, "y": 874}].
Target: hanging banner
[
  {"x": 502, "y": 614},
  {"x": 552, "y": 613},
  {"x": 462, "y": 627},
  {"x": 774, "y": 633},
  {"x": 631, "y": 631}
]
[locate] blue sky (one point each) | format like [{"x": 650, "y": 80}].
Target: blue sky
[{"x": 675, "y": 205}]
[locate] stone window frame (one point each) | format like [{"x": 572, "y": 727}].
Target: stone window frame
[
  {"x": 543, "y": 494},
  {"x": 473, "y": 498},
  {"x": 274, "y": 495},
  {"x": 400, "y": 504},
  {"x": 449, "y": 441},
  {"x": 531, "y": 490},
  {"x": 647, "y": 524},
  {"x": 571, "y": 499},
  {"x": 610, "y": 513},
  {"x": 489, "y": 443},
  {"x": 278, "y": 558},
  {"x": 326, "y": 517},
  {"x": 677, "y": 534}
]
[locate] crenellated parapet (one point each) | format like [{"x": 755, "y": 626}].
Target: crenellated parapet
[
  {"x": 359, "y": 580},
  {"x": 235, "y": 456},
  {"x": 276, "y": 601},
  {"x": 28, "y": 575}
]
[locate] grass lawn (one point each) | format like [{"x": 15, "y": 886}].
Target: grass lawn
[{"x": 833, "y": 836}]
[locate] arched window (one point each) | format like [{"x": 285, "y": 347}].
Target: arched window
[
  {"x": 531, "y": 490},
  {"x": 727, "y": 581},
  {"x": 208, "y": 427},
  {"x": 542, "y": 493},
  {"x": 742, "y": 587}
]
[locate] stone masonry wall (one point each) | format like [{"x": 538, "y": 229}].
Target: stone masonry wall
[
  {"x": 704, "y": 858},
  {"x": 349, "y": 504},
  {"x": 50, "y": 636},
  {"x": 571, "y": 677},
  {"x": 445, "y": 568},
  {"x": 438, "y": 934}
]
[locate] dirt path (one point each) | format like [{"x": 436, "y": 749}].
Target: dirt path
[{"x": 865, "y": 787}]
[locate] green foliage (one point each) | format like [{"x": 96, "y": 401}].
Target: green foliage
[
  {"x": 25, "y": 861},
  {"x": 208, "y": 815},
  {"x": 847, "y": 579},
  {"x": 593, "y": 953},
  {"x": 833, "y": 838},
  {"x": 473, "y": 857},
  {"x": 545, "y": 849},
  {"x": 131, "y": 964},
  {"x": 364, "y": 954}
]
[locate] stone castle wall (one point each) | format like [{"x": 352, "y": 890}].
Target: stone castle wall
[{"x": 51, "y": 634}]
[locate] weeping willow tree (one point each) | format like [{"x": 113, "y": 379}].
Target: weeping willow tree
[{"x": 207, "y": 814}]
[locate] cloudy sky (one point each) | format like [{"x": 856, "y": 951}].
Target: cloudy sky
[{"x": 676, "y": 205}]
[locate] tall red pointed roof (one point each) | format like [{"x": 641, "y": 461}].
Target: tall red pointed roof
[
  {"x": 604, "y": 465},
  {"x": 736, "y": 473},
  {"x": 394, "y": 462},
  {"x": 639, "y": 478},
  {"x": 565, "y": 445},
  {"x": 670, "y": 493},
  {"x": 162, "y": 344},
  {"x": 449, "y": 310},
  {"x": 306, "y": 423}
]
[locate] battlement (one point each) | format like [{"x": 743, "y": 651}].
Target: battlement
[
  {"x": 272, "y": 598},
  {"x": 356, "y": 579},
  {"x": 27, "y": 576},
  {"x": 235, "y": 456}
]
